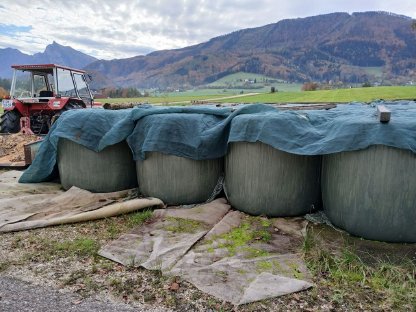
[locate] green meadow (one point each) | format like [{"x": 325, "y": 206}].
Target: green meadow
[
  {"x": 336, "y": 96},
  {"x": 319, "y": 96}
]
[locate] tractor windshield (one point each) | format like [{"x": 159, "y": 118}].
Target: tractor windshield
[
  {"x": 65, "y": 83},
  {"x": 30, "y": 84},
  {"x": 81, "y": 86},
  {"x": 40, "y": 84},
  {"x": 23, "y": 86}
]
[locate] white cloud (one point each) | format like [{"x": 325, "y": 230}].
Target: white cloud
[{"x": 108, "y": 29}]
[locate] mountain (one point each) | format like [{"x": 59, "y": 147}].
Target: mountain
[
  {"x": 358, "y": 47},
  {"x": 54, "y": 53},
  {"x": 9, "y": 56}
]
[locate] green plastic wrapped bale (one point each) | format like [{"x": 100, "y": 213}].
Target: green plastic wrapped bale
[
  {"x": 113, "y": 169},
  {"x": 261, "y": 180},
  {"x": 178, "y": 180},
  {"x": 371, "y": 193}
]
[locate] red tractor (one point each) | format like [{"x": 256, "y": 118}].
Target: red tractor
[{"x": 40, "y": 93}]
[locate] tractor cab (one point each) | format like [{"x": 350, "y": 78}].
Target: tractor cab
[{"x": 40, "y": 93}]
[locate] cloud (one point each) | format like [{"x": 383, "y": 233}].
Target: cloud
[
  {"x": 108, "y": 29},
  {"x": 96, "y": 46}
]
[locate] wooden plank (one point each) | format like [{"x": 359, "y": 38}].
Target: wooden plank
[
  {"x": 31, "y": 150},
  {"x": 383, "y": 113},
  {"x": 18, "y": 164}
]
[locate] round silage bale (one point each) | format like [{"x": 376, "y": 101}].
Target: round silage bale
[
  {"x": 261, "y": 180},
  {"x": 178, "y": 180},
  {"x": 113, "y": 169},
  {"x": 371, "y": 193}
]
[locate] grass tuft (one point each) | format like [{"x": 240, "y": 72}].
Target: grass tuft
[
  {"x": 139, "y": 218},
  {"x": 4, "y": 266},
  {"x": 78, "y": 247},
  {"x": 345, "y": 270},
  {"x": 251, "y": 230}
]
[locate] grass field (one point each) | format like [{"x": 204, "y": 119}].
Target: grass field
[
  {"x": 165, "y": 98},
  {"x": 339, "y": 95},
  {"x": 377, "y": 72},
  {"x": 263, "y": 83},
  {"x": 234, "y": 78},
  {"x": 203, "y": 92},
  {"x": 320, "y": 96}
]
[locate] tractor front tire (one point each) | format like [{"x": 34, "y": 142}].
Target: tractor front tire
[{"x": 10, "y": 122}]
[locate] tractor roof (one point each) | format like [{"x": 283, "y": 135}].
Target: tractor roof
[{"x": 46, "y": 68}]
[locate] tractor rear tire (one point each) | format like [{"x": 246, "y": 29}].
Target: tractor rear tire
[
  {"x": 70, "y": 106},
  {"x": 10, "y": 122},
  {"x": 67, "y": 107}
]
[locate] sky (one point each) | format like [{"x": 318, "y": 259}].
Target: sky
[{"x": 108, "y": 29}]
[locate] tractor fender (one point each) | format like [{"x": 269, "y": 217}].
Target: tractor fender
[
  {"x": 54, "y": 104},
  {"x": 17, "y": 106}
]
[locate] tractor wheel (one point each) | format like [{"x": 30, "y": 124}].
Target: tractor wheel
[{"x": 10, "y": 122}]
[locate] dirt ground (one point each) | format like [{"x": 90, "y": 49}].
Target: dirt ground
[
  {"x": 12, "y": 146},
  {"x": 65, "y": 258}
]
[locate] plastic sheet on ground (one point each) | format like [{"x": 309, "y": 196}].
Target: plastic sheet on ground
[
  {"x": 204, "y": 132},
  {"x": 160, "y": 244},
  {"x": 28, "y": 206},
  {"x": 10, "y": 187},
  {"x": 236, "y": 258},
  {"x": 319, "y": 217}
]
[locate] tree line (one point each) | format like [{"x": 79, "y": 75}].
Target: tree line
[
  {"x": 5, "y": 84},
  {"x": 122, "y": 93}
]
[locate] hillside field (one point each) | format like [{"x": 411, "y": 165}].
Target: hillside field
[
  {"x": 253, "y": 83},
  {"x": 320, "y": 96}
]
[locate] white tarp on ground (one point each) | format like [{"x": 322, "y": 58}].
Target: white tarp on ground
[
  {"x": 9, "y": 187},
  {"x": 34, "y": 205},
  {"x": 230, "y": 255},
  {"x": 167, "y": 238}
]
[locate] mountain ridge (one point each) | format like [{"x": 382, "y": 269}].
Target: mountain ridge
[
  {"x": 334, "y": 47},
  {"x": 329, "y": 47},
  {"x": 53, "y": 53}
]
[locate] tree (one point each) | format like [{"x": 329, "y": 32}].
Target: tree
[
  {"x": 3, "y": 93},
  {"x": 5, "y": 83},
  {"x": 309, "y": 86}
]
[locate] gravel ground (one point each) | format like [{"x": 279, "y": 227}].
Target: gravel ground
[{"x": 16, "y": 295}]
